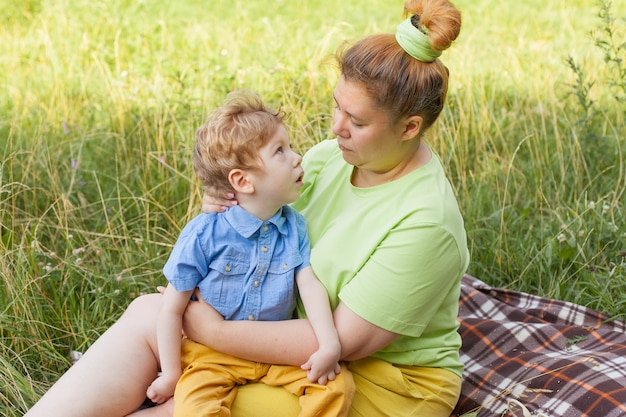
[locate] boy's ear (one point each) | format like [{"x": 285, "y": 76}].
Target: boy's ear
[
  {"x": 412, "y": 127},
  {"x": 240, "y": 181}
]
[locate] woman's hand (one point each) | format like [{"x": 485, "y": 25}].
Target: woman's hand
[
  {"x": 211, "y": 203},
  {"x": 201, "y": 319},
  {"x": 198, "y": 318}
]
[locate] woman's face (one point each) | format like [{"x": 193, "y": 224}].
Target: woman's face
[{"x": 368, "y": 139}]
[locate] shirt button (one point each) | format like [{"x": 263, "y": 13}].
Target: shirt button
[
  {"x": 285, "y": 266},
  {"x": 256, "y": 283},
  {"x": 265, "y": 228},
  {"x": 264, "y": 249},
  {"x": 251, "y": 317},
  {"x": 227, "y": 268}
]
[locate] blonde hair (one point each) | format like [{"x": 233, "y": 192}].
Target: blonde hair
[
  {"x": 231, "y": 138},
  {"x": 397, "y": 82}
]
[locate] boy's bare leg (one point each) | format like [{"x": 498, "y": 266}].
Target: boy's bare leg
[{"x": 111, "y": 378}]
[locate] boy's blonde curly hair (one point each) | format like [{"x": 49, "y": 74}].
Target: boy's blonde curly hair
[{"x": 231, "y": 138}]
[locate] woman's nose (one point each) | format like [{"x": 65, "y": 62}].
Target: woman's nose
[{"x": 338, "y": 125}]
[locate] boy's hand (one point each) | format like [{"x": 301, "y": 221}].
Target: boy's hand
[
  {"x": 161, "y": 389},
  {"x": 323, "y": 365}
]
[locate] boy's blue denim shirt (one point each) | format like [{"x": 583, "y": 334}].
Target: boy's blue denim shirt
[{"x": 244, "y": 267}]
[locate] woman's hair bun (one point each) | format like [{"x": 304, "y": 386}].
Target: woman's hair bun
[{"x": 440, "y": 19}]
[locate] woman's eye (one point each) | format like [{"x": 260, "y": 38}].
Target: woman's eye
[{"x": 357, "y": 124}]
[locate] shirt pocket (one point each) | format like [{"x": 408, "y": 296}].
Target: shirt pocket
[
  {"x": 226, "y": 284},
  {"x": 281, "y": 277}
]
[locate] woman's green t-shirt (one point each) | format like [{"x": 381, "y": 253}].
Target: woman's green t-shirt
[{"x": 394, "y": 253}]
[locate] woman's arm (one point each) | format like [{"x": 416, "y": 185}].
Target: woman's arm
[
  {"x": 288, "y": 342},
  {"x": 358, "y": 337}
]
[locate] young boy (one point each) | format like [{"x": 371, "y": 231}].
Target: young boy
[{"x": 246, "y": 263}]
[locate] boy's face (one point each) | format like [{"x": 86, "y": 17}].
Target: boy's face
[{"x": 280, "y": 178}]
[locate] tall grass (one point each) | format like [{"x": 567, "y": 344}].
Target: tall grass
[{"x": 100, "y": 99}]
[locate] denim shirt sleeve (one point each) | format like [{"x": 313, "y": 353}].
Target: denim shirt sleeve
[{"x": 187, "y": 264}]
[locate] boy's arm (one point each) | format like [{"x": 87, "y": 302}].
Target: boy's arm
[
  {"x": 169, "y": 334},
  {"x": 323, "y": 364}
]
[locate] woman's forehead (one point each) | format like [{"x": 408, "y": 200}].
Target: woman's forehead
[{"x": 353, "y": 98}]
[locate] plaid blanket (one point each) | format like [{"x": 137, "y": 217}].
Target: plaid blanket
[{"x": 527, "y": 355}]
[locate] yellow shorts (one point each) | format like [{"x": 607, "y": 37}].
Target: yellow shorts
[
  {"x": 211, "y": 379},
  {"x": 382, "y": 390}
]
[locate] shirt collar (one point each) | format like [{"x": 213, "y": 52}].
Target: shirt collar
[{"x": 246, "y": 224}]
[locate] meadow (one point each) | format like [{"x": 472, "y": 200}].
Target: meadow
[{"x": 99, "y": 101}]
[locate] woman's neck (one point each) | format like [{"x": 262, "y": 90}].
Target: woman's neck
[{"x": 364, "y": 178}]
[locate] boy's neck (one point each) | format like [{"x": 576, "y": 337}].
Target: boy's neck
[{"x": 257, "y": 207}]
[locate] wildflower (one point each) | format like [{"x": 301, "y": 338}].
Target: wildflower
[
  {"x": 66, "y": 129},
  {"x": 591, "y": 205},
  {"x": 78, "y": 251},
  {"x": 75, "y": 355},
  {"x": 561, "y": 238},
  {"x": 605, "y": 208},
  {"x": 118, "y": 278}
]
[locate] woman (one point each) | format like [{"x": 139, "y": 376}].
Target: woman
[{"x": 388, "y": 243}]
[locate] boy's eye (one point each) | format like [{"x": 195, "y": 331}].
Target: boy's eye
[{"x": 280, "y": 149}]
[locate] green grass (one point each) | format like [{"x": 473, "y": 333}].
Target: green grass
[{"x": 99, "y": 101}]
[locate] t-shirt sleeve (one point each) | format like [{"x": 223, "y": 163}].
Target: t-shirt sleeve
[{"x": 402, "y": 285}]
